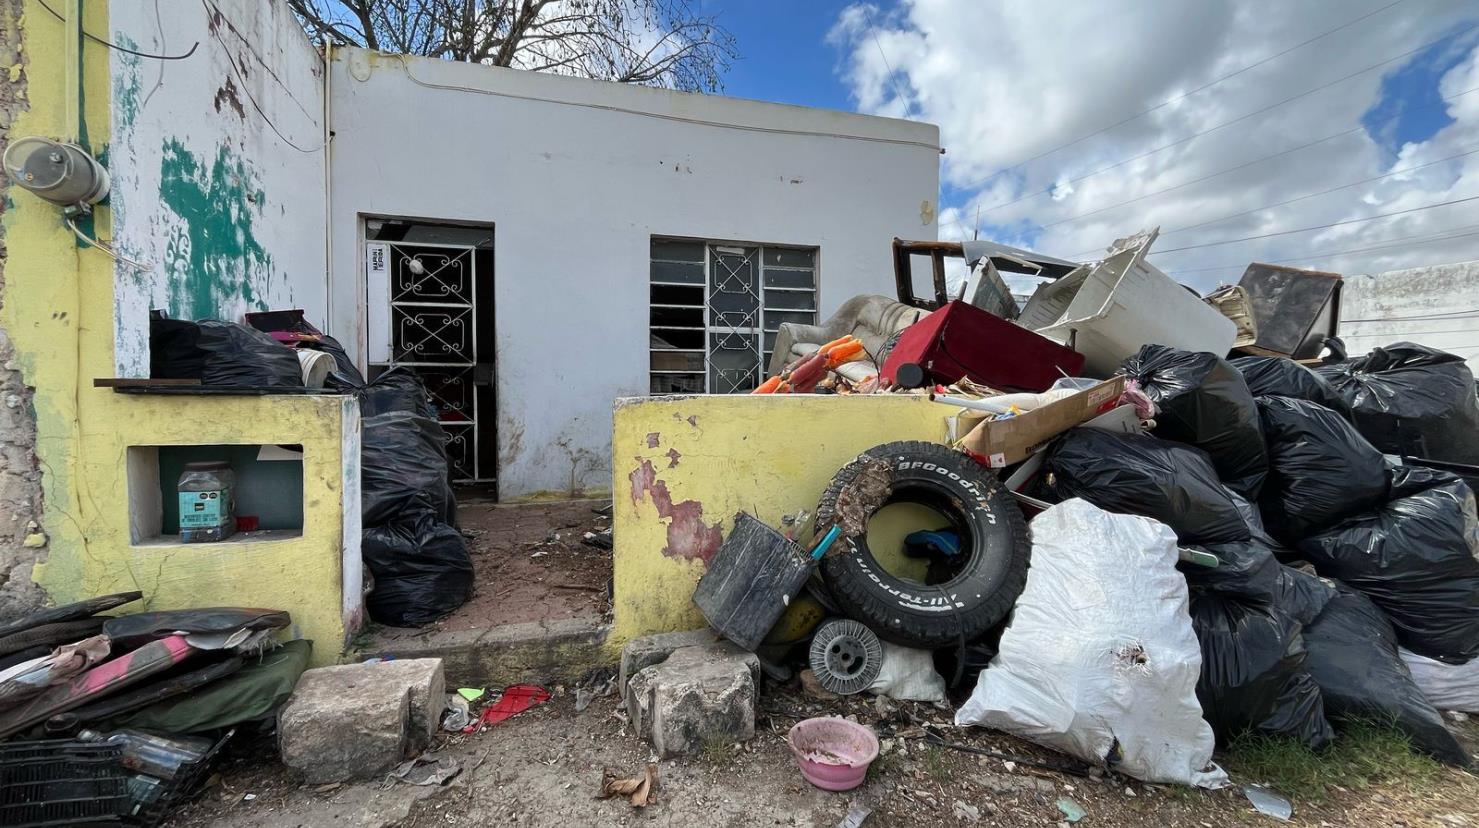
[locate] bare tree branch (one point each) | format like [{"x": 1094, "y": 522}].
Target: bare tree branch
[{"x": 650, "y": 42}]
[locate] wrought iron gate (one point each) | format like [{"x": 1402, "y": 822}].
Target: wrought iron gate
[{"x": 432, "y": 293}]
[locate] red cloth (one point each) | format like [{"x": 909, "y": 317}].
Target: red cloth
[{"x": 515, "y": 700}]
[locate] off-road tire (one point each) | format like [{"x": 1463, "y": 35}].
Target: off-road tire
[{"x": 992, "y": 530}]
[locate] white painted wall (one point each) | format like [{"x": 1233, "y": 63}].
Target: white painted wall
[
  {"x": 577, "y": 176},
  {"x": 208, "y": 190},
  {"x": 1437, "y": 306}
]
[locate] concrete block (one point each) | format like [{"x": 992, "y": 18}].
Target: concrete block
[
  {"x": 344, "y": 723},
  {"x": 427, "y": 684},
  {"x": 700, "y": 694},
  {"x": 641, "y": 653}
]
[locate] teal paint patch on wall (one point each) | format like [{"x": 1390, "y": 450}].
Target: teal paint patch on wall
[{"x": 212, "y": 259}]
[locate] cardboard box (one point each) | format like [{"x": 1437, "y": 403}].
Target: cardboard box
[{"x": 1004, "y": 442}]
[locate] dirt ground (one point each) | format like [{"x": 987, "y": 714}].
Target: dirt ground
[
  {"x": 530, "y": 563},
  {"x": 543, "y": 769}
]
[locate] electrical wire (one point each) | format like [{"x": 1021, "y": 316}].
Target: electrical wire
[
  {"x": 94, "y": 38},
  {"x": 104, "y": 247},
  {"x": 237, "y": 73},
  {"x": 1289, "y": 201},
  {"x": 1322, "y": 192},
  {"x": 1183, "y": 96},
  {"x": 1222, "y": 125},
  {"x": 1316, "y": 227},
  {"x": 873, "y": 30},
  {"x": 1246, "y": 164},
  {"x": 1387, "y": 244}
]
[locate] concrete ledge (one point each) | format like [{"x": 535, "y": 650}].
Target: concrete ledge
[{"x": 537, "y": 652}]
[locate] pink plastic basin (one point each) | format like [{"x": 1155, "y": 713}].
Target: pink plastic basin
[{"x": 833, "y": 753}]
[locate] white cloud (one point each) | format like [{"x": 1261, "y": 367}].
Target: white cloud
[{"x": 1011, "y": 79}]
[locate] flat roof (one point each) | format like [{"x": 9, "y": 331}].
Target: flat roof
[{"x": 688, "y": 107}]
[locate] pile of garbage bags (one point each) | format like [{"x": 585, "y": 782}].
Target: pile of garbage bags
[
  {"x": 412, "y": 548},
  {"x": 1331, "y": 555}
]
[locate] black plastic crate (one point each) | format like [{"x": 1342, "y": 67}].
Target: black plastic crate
[{"x": 62, "y": 782}]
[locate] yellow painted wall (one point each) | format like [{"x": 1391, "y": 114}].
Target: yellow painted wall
[
  {"x": 702, "y": 459},
  {"x": 58, "y": 309}
]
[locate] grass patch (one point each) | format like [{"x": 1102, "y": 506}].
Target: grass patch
[
  {"x": 1365, "y": 753},
  {"x": 718, "y": 752},
  {"x": 936, "y": 766}
]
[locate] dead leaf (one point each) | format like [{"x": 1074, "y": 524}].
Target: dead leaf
[{"x": 638, "y": 789}]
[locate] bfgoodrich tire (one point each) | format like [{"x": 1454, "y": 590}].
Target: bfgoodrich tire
[{"x": 977, "y": 592}]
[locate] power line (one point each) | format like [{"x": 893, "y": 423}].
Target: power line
[
  {"x": 873, "y": 30},
  {"x": 1387, "y": 244},
  {"x": 1316, "y": 227},
  {"x": 1224, "y": 124},
  {"x": 1183, "y": 96},
  {"x": 1323, "y": 192},
  {"x": 1247, "y": 164},
  {"x": 1289, "y": 201}
]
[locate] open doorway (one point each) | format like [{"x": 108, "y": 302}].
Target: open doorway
[{"x": 429, "y": 306}]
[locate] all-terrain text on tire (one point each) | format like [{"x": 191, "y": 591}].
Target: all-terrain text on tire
[{"x": 963, "y": 598}]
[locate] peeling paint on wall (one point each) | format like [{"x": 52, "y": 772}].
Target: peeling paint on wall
[
  {"x": 689, "y": 538},
  {"x": 212, "y": 258}
]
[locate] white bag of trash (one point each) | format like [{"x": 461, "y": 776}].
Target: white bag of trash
[
  {"x": 908, "y": 675},
  {"x": 1099, "y": 660},
  {"x": 1447, "y": 686}
]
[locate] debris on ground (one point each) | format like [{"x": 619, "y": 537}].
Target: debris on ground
[{"x": 638, "y": 789}]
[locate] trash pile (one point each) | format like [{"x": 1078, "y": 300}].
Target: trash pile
[
  {"x": 116, "y": 719},
  {"x": 417, "y": 561},
  {"x": 1224, "y": 539}
]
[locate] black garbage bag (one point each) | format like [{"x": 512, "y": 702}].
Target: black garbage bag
[
  {"x": 174, "y": 349},
  {"x": 1141, "y": 475},
  {"x": 1248, "y": 614},
  {"x": 239, "y": 356},
  {"x": 397, "y": 389},
  {"x": 1417, "y": 559},
  {"x": 420, "y": 565},
  {"x": 403, "y": 455},
  {"x": 1320, "y": 469},
  {"x": 1280, "y": 377},
  {"x": 346, "y": 375},
  {"x": 1254, "y": 520},
  {"x": 1251, "y": 569},
  {"x": 1203, "y": 401},
  {"x": 1353, "y": 657},
  {"x": 1411, "y": 399}
]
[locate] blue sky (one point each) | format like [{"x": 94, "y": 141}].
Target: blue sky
[{"x": 785, "y": 56}]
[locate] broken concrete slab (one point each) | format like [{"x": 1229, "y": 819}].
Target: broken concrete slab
[
  {"x": 427, "y": 684},
  {"x": 641, "y": 653},
  {"x": 345, "y": 723},
  {"x": 698, "y": 696}
]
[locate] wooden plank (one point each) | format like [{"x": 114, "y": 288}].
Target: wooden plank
[{"x": 138, "y": 382}]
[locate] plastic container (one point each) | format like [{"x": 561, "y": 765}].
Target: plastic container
[
  {"x": 751, "y": 581},
  {"x": 1108, "y": 309},
  {"x": 207, "y": 492},
  {"x": 832, "y": 752},
  {"x": 158, "y": 756}
]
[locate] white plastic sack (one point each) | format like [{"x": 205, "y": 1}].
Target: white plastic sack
[
  {"x": 1100, "y": 653},
  {"x": 908, "y": 675},
  {"x": 1447, "y": 686}
]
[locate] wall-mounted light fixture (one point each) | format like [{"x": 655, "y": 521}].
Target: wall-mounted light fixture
[{"x": 63, "y": 174}]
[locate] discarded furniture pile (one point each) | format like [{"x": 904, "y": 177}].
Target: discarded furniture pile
[
  {"x": 116, "y": 719},
  {"x": 1159, "y": 523}
]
